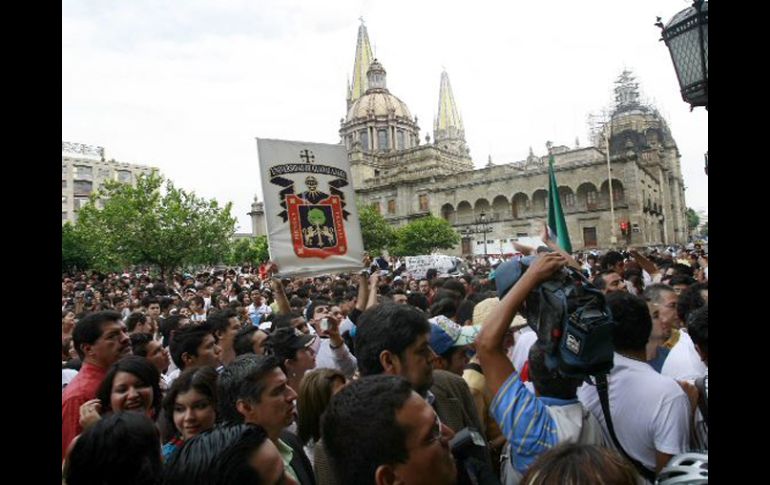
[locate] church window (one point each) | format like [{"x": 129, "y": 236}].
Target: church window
[
  {"x": 423, "y": 202},
  {"x": 401, "y": 139},
  {"x": 364, "y": 136},
  {"x": 392, "y": 206},
  {"x": 382, "y": 139},
  {"x": 591, "y": 199}
]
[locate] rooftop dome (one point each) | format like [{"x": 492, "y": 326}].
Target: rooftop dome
[
  {"x": 377, "y": 101},
  {"x": 378, "y": 104}
]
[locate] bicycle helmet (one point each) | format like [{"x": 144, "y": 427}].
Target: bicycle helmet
[{"x": 685, "y": 469}]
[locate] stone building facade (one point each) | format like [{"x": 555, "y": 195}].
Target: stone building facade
[
  {"x": 404, "y": 179},
  {"x": 84, "y": 169}
]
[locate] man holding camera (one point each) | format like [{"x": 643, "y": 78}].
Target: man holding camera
[{"x": 531, "y": 423}]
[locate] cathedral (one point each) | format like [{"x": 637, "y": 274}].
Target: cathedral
[{"x": 405, "y": 178}]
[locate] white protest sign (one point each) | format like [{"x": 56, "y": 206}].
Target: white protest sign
[
  {"x": 417, "y": 266},
  {"x": 532, "y": 242},
  {"x": 310, "y": 207}
]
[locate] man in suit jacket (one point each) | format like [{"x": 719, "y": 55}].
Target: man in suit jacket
[{"x": 254, "y": 390}]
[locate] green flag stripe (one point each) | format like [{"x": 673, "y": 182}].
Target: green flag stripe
[{"x": 556, "y": 221}]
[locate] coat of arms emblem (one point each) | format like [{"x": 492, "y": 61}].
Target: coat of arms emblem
[
  {"x": 316, "y": 219},
  {"x": 316, "y": 222}
]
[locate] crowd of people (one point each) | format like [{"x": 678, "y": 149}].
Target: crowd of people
[{"x": 240, "y": 375}]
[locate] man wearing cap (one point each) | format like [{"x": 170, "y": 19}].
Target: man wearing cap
[
  {"x": 295, "y": 353},
  {"x": 450, "y": 343}
]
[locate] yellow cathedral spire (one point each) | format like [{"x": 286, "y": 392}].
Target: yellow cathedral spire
[
  {"x": 448, "y": 128},
  {"x": 364, "y": 58}
]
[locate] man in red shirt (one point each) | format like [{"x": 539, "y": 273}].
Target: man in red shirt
[{"x": 100, "y": 340}]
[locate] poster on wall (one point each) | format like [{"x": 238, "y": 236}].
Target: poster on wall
[{"x": 310, "y": 207}]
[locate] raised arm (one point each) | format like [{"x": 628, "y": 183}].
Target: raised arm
[
  {"x": 553, "y": 245},
  {"x": 374, "y": 280},
  {"x": 489, "y": 343},
  {"x": 280, "y": 296},
  {"x": 645, "y": 263}
]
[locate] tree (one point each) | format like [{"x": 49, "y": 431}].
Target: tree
[
  {"x": 75, "y": 251},
  {"x": 143, "y": 224},
  {"x": 376, "y": 232},
  {"x": 705, "y": 230},
  {"x": 424, "y": 236},
  {"x": 249, "y": 250},
  {"x": 693, "y": 219}
]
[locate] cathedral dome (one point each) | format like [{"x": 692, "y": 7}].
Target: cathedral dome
[{"x": 378, "y": 103}]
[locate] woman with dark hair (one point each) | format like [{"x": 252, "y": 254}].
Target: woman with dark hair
[
  {"x": 189, "y": 408},
  {"x": 121, "y": 449},
  {"x": 131, "y": 384}
]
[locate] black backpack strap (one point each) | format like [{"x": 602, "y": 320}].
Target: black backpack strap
[
  {"x": 703, "y": 405},
  {"x": 474, "y": 366},
  {"x": 604, "y": 398}
]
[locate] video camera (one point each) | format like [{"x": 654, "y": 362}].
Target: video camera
[{"x": 569, "y": 315}]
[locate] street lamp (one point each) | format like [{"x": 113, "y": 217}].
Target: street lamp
[
  {"x": 479, "y": 226},
  {"x": 687, "y": 38}
]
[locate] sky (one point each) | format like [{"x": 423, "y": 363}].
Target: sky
[{"x": 188, "y": 85}]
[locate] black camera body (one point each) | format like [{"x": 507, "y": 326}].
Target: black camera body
[{"x": 469, "y": 450}]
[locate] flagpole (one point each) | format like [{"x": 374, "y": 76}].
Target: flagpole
[{"x": 608, "y": 131}]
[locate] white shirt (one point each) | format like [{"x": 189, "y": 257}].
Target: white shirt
[
  {"x": 339, "y": 358},
  {"x": 649, "y": 411},
  {"x": 524, "y": 339},
  {"x": 263, "y": 310},
  {"x": 683, "y": 362}
]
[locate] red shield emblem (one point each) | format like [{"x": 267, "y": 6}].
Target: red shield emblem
[{"x": 317, "y": 229}]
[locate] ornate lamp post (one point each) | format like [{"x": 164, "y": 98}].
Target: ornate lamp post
[
  {"x": 687, "y": 38},
  {"x": 480, "y": 226}
]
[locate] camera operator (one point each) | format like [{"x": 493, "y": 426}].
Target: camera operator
[{"x": 532, "y": 424}]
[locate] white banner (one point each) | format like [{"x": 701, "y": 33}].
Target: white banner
[
  {"x": 310, "y": 207},
  {"x": 417, "y": 266}
]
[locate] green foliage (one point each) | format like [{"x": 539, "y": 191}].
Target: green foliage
[
  {"x": 249, "y": 250},
  {"x": 424, "y": 236},
  {"x": 143, "y": 224},
  {"x": 376, "y": 232},
  {"x": 705, "y": 230},
  {"x": 75, "y": 251},
  {"x": 692, "y": 219}
]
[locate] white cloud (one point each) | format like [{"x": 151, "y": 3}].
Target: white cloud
[{"x": 187, "y": 86}]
